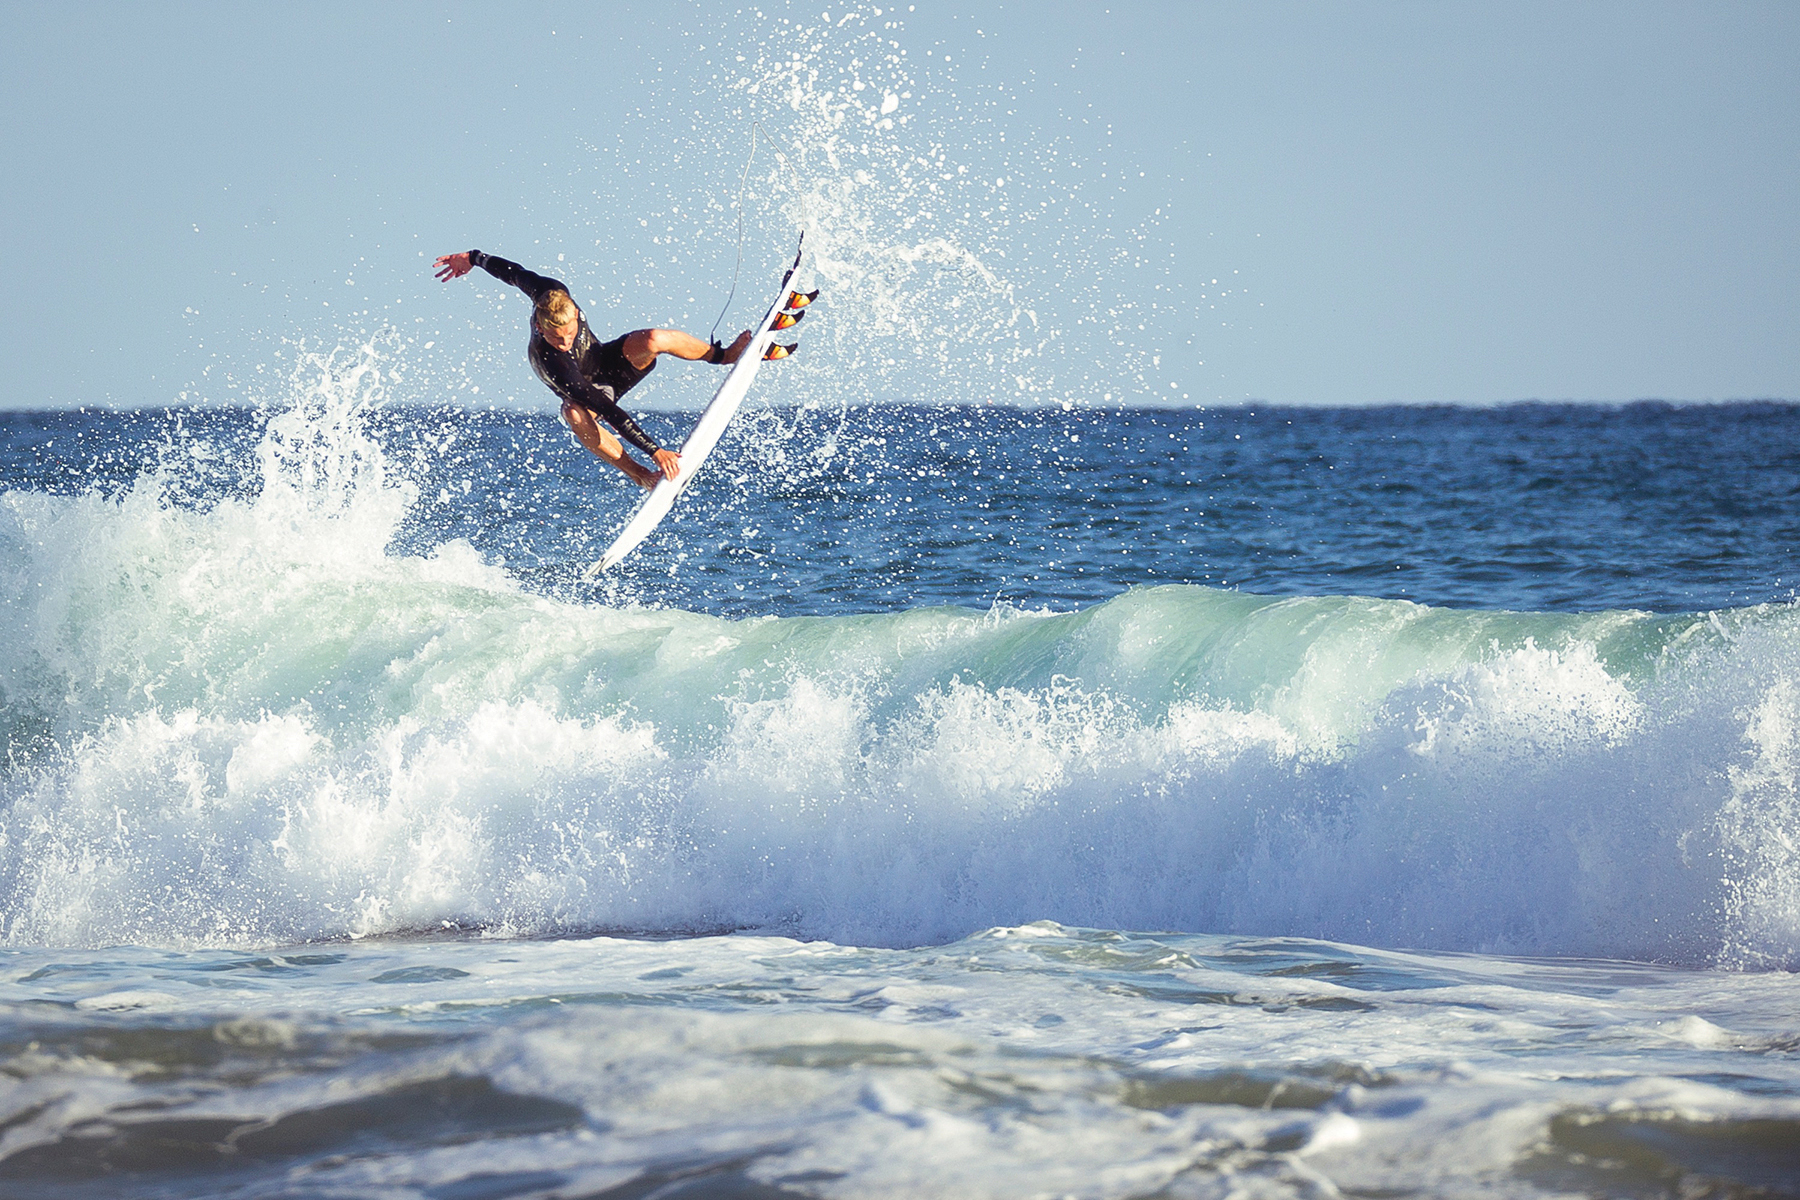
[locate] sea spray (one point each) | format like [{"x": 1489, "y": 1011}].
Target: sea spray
[{"x": 956, "y": 266}]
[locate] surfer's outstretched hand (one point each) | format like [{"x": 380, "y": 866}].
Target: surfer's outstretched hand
[
  {"x": 670, "y": 462},
  {"x": 453, "y": 266}
]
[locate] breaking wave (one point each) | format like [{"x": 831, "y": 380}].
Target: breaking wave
[{"x": 254, "y": 720}]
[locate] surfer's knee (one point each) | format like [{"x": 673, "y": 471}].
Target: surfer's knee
[
  {"x": 645, "y": 344},
  {"x": 642, "y": 345},
  {"x": 590, "y": 433}
]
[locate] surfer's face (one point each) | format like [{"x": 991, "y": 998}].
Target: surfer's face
[{"x": 561, "y": 336}]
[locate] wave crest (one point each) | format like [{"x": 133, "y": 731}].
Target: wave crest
[{"x": 255, "y": 720}]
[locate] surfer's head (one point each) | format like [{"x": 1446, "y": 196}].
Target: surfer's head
[{"x": 558, "y": 319}]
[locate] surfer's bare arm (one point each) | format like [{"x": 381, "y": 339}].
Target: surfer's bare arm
[{"x": 643, "y": 345}]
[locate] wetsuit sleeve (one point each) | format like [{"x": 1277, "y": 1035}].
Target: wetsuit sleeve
[
  {"x": 565, "y": 378},
  {"x": 621, "y": 420},
  {"x": 509, "y": 272}
]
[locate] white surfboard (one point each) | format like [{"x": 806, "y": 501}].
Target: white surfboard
[{"x": 706, "y": 434}]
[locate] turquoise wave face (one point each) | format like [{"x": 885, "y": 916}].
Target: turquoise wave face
[{"x": 261, "y": 719}]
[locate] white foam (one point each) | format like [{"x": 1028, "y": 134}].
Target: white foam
[
  {"x": 1023, "y": 1061},
  {"x": 256, "y": 722}
]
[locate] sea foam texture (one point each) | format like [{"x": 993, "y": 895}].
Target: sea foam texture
[{"x": 253, "y": 721}]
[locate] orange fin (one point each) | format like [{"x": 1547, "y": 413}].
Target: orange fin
[
  {"x": 777, "y": 350},
  {"x": 787, "y": 320},
  {"x": 799, "y": 300}
]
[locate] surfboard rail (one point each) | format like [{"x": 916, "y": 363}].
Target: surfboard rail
[{"x": 704, "y": 436}]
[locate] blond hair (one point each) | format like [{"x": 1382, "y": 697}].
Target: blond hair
[{"x": 555, "y": 310}]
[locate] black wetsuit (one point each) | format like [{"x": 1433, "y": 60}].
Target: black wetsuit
[{"x": 593, "y": 374}]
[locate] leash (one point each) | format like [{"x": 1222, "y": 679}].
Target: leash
[{"x": 743, "y": 183}]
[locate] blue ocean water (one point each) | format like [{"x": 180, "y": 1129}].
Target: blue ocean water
[
  {"x": 970, "y": 801},
  {"x": 824, "y": 511}
]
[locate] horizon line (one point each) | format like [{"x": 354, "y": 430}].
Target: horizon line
[{"x": 1051, "y": 405}]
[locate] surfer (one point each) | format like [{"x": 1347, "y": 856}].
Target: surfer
[{"x": 588, "y": 374}]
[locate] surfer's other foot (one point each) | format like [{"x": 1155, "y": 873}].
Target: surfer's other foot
[{"x": 641, "y": 476}]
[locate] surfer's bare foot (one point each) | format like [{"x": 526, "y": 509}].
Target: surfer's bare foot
[{"x": 734, "y": 351}]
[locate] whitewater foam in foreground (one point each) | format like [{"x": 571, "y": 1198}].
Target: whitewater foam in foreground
[{"x": 1019, "y": 1062}]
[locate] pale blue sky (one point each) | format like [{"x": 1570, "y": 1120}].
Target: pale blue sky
[{"x": 1414, "y": 202}]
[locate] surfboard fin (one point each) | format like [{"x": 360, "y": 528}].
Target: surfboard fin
[
  {"x": 777, "y": 350},
  {"x": 799, "y": 300},
  {"x": 787, "y": 320}
]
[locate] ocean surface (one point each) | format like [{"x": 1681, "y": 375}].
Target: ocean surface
[{"x": 957, "y": 801}]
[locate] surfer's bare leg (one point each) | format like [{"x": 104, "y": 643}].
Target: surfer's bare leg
[
  {"x": 643, "y": 345},
  {"x": 607, "y": 448}
]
